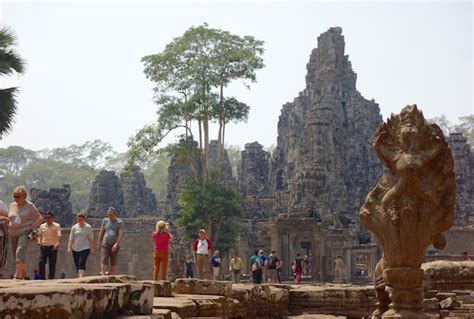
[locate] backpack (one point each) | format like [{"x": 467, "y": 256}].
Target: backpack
[
  {"x": 257, "y": 264},
  {"x": 271, "y": 262}
]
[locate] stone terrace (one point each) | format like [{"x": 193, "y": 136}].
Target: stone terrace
[{"x": 125, "y": 297}]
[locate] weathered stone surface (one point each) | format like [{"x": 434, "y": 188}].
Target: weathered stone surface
[
  {"x": 138, "y": 199},
  {"x": 346, "y": 300},
  {"x": 323, "y": 157},
  {"x": 449, "y": 303},
  {"x": 411, "y": 206},
  {"x": 75, "y": 298},
  {"x": 162, "y": 288},
  {"x": 183, "y": 307},
  {"x": 254, "y": 171},
  {"x": 55, "y": 201},
  {"x": 202, "y": 287},
  {"x": 106, "y": 191},
  {"x": 445, "y": 275},
  {"x": 431, "y": 304},
  {"x": 464, "y": 170}
]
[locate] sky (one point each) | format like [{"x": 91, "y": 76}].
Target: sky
[{"x": 84, "y": 79}]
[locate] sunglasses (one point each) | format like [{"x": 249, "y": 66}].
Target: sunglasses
[{"x": 17, "y": 196}]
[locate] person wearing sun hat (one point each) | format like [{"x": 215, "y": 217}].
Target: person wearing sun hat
[{"x": 161, "y": 237}]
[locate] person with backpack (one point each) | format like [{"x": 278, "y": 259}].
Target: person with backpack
[
  {"x": 272, "y": 263},
  {"x": 202, "y": 248},
  {"x": 297, "y": 268},
  {"x": 256, "y": 267}
]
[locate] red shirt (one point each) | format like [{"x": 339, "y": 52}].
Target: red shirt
[{"x": 162, "y": 240}]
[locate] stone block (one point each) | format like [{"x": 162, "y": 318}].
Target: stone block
[
  {"x": 182, "y": 307},
  {"x": 444, "y": 295},
  {"x": 161, "y": 288},
  {"x": 449, "y": 304},
  {"x": 162, "y": 313},
  {"x": 202, "y": 287},
  {"x": 430, "y": 304}
]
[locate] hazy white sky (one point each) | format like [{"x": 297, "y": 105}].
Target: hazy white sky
[{"x": 84, "y": 79}]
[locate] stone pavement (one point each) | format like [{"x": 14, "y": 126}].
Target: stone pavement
[{"x": 125, "y": 297}]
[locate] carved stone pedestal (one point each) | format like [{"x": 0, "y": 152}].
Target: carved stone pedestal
[{"x": 403, "y": 285}]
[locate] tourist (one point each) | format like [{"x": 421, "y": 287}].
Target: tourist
[
  {"x": 279, "y": 270},
  {"x": 3, "y": 236},
  {"x": 264, "y": 265},
  {"x": 256, "y": 267},
  {"x": 189, "y": 268},
  {"x": 235, "y": 267},
  {"x": 81, "y": 243},
  {"x": 49, "y": 236},
  {"x": 272, "y": 263},
  {"x": 161, "y": 237},
  {"x": 24, "y": 218},
  {"x": 338, "y": 269},
  {"x": 297, "y": 268},
  {"x": 110, "y": 235},
  {"x": 307, "y": 265},
  {"x": 202, "y": 248},
  {"x": 216, "y": 265},
  {"x": 465, "y": 256}
]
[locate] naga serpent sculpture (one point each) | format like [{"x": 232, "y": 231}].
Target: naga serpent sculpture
[{"x": 409, "y": 208}]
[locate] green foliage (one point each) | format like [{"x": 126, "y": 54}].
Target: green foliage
[
  {"x": 190, "y": 75},
  {"x": 76, "y": 165},
  {"x": 464, "y": 126},
  {"x": 209, "y": 203},
  {"x": 10, "y": 62},
  {"x": 234, "y": 152},
  {"x": 155, "y": 170}
]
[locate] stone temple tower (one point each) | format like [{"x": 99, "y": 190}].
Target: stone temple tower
[{"x": 324, "y": 164}]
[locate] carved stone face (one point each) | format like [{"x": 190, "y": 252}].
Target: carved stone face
[{"x": 409, "y": 128}]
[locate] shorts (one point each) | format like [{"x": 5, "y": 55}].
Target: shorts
[
  {"x": 19, "y": 246},
  {"x": 107, "y": 255}
]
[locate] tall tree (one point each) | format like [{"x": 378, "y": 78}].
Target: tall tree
[
  {"x": 190, "y": 75},
  {"x": 10, "y": 62}
]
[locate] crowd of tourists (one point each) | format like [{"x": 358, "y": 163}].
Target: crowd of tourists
[{"x": 21, "y": 223}]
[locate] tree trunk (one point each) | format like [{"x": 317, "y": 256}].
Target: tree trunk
[
  {"x": 220, "y": 145},
  {"x": 200, "y": 134},
  {"x": 205, "y": 124},
  {"x": 217, "y": 229}
]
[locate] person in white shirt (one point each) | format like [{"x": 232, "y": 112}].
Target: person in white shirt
[{"x": 202, "y": 248}]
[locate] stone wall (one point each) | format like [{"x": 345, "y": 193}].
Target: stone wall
[
  {"x": 128, "y": 194},
  {"x": 324, "y": 157},
  {"x": 137, "y": 198},
  {"x": 464, "y": 170},
  {"x": 106, "y": 191},
  {"x": 55, "y": 201}
]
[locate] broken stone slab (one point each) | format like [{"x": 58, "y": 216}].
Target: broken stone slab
[
  {"x": 430, "y": 304},
  {"x": 162, "y": 313},
  {"x": 162, "y": 288},
  {"x": 449, "y": 304},
  {"x": 58, "y": 302},
  {"x": 444, "y": 295},
  {"x": 182, "y": 307},
  {"x": 213, "y": 305},
  {"x": 56, "y": 299},
  {"x": 202, "y": 287}
]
